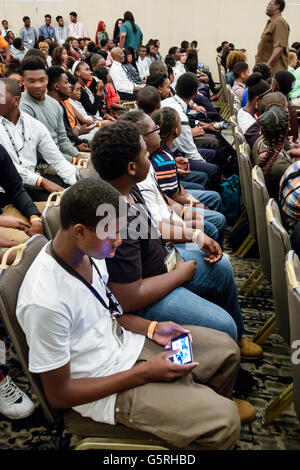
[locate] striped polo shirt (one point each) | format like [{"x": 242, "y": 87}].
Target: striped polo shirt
[{"x": 164, "y": 165}]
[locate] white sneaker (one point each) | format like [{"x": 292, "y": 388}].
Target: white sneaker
[{"x": 14, "y": 403}]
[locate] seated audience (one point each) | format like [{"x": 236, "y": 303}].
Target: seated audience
[
  {"x": 186, "y": 90},
  {"x": 112, "y": 99},
  {"x": 18, "y": 50},
  {"x": 61, "y": 31},
  {"x": 101, "y": 33},
  {"x": 13, "y": 229},
  {"x": 265, "y": 72},
  {"x": 289, "y": 193},
  {"x": 247, "y": 116},
  {"x": 179, "y": 67},
  {"x": 293, "y": 62},
  {"x": 107, "y": 46},
  {"x": 241, "y": 73},
  {"x": 47, "y": 30},
  {"x": 143, "y": 63},
  {"x": 148, "y": 99},
  {"x": 268, "y": 150},
  {"x": 284, "y": 82},
  {"x": 44, "y": 47},
  {"x": 13, "y": 70},
  {"x": 6, "y": 28},
  {"x": 92, "y": 104},
  {"x": 126, "y": 88},
  {"x": 38, "y": 104},
  {"x": 103, "y": 389},
  {"x": 76, "y": 29},
  {"x": 161, "y": 82},
  {"x": 233, "y": 58},
  {"x": 23, "y": 136},
  {"x": 60, "y": 57},
  {"x": 130, "y": 68},
  {"x": 132, "y": 268},
  {"x": 75, "y": 51}
]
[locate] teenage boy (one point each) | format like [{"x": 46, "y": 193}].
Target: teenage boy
[
  {"x": 28, "y": 34},
  {"x": 140, "y": 274},
  {"x": 241, "y": 73},
  {"x": 94, "y": 359},
  {"x": 143, "y": 63}
]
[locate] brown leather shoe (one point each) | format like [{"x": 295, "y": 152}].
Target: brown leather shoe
[
  {"x": 250, "y": 351},
  {"x": 246, "y": 410}
]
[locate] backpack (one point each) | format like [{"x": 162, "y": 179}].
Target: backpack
[{"x": 230, "y": 194}]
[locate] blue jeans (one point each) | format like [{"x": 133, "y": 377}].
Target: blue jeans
[
  {"x": 213, "y": 200},
  {"x": 194, "y": 180},
  {"x": 212, "y": 171},
  {"x": 209, "y": 300}
]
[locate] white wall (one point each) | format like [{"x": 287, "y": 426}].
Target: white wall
[{"x": 208, "y": 21}]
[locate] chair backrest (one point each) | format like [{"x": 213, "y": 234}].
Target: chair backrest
[
  {"x": 230, "y": 97},
  {"x": 87, "y": 171},
  {"x": 293, "y": 288},
  {"x": 260, "y": 200},
  {"x": 245, "y": 168},
  {"x": 280, "y": 245},
  {"x": 11, "y": 278},
  {"x": 50, "y": 215}
]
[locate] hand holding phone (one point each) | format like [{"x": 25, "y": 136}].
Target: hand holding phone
[{"x": 182, "y": 345}]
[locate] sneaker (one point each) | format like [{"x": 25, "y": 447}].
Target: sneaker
[
  {"x": 250, "y": 351},
  {"x": 246, "y": 410},
  {"x": 14, "y": 403}
]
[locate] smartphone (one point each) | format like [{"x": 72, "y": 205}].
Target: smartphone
[{"x": 182, "y": 344}]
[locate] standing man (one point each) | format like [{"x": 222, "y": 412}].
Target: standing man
[
  {"x": 47, "y": 30},
  {"x": 76, "y": 29},
  {"x": 130, "y": 33},
  {"x": 5, "y": 29},
  {"x": 273, "y": 47},
  {"x": 28, "y": 34},
  {"x": 62, "y": 31}
]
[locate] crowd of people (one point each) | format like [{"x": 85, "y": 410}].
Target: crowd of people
[{"x": 64, "y": 99}]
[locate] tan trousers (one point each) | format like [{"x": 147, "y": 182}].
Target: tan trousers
[
  {"x": 194, "y": 409},
  {"x": 12, "y": 234}
]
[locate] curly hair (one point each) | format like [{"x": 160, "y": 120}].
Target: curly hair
[
  {"x": 167, "y": 119},
  {"x": 274, "y": 126},
  {"x": 114, "y": 147},
  {"x": 233, "y": 58}
]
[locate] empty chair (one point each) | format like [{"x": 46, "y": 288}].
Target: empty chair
[
  {"x": 293, "y": 289},
  {"x": 89, "y": 433}
]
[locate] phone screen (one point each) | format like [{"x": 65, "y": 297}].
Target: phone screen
[{"x": 183, "y": 346}]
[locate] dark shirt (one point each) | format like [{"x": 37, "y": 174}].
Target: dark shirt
[
  {"x": 15, "y": 193},
  {"x": 141, "y": 258},
  {"x": 91, "y": 108}
]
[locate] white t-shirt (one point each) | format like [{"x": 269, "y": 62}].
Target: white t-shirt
[
  {"x": 63, "y": 321},
  {"x": 245, "y": 120},
  {"x": 153, "y": 198}
]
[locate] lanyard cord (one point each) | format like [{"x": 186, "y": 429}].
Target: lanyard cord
[{"x": 13, "y": 143}]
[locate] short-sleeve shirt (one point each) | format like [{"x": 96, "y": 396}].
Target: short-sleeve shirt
[
  {"x": 164, "y": 165},
  {"x": 132, "y": 39},
  {"x": 3, "y": 43},
  {"x": 275, "y": 34},
  {"x": 64, "y": 322},
  {"x": 139, "y": 257}
]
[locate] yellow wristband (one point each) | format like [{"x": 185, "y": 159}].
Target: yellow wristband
[
  {"x": 151, "y": 329},
  {"x": 99, "y": 124},
  {"x": 34, "y": 217},
  {"x": 182, "y": 212},
  {"x": 39, "y": 182},
  {"x": 195, "y": 234},
  {"x": 74, "y": 161}
]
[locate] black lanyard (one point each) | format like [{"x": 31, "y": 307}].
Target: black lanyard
[
  {"x": 114, "y": 307},
  {"x": 12, "y": 140}
]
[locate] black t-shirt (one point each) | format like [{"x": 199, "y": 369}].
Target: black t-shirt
[{"x": 139, "y": 256}]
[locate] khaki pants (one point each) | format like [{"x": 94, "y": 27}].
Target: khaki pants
[
  {"x": 12, "y": 234},
  {"x": 194, "y": 409}
]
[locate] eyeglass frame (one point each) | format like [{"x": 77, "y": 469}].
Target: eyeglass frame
[{"x": 157, "y": 129}]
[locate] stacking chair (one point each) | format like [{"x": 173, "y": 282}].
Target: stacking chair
[
  {"x": 260, "y": 200},
  {"x": 87, "y": 433},
  {"x": 245, "y": 169},
  {"x": 292, "y": 267},
  {"x": 50, "y": 215},
  {"x": 128, "y": 104}
]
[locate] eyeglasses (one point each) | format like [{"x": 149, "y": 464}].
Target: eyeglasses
[{"x": 157, "y": 129}]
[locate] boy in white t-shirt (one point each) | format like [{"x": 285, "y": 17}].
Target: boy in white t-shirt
[{"x": 100, "y": 363}]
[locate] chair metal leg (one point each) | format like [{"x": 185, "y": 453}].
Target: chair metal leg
[
  {"x": 243, "y": 245},
  {"x": 97, "y": 443},
  {"x": 247, "y": 248},
  {"x": 279, "y": 405},
  {"x": 250, "y": 279},
  {"x": 265, "y": 331},
  {"x": 241, "y": 219},
  {"x": 255, "y": 285}
]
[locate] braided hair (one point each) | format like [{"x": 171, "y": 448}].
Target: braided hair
[
  {"x": 167, "y": 119},
  {"x": 274, "y": 125}
]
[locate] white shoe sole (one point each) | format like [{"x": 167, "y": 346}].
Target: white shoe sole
[{"x": 30, "y": 412}]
